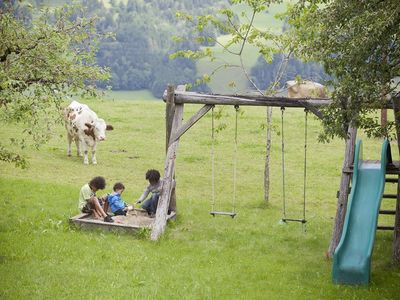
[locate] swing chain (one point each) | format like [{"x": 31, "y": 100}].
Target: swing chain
[
  {"x": 283, "y": 167},
  {"x": 212, "y": 159},
  {"x": 284, "y": 219},
  {"x": 235, "y": 160},
  {"x": 213, "y": 212}
]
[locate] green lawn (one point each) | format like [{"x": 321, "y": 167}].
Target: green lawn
[{"x": 199, "y": 257}]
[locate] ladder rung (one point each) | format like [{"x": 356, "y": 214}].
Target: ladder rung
[
  {"x": 389, "y": 196},
  {"x": 387, "y": 212},
  {"x": 385, "y": 227},
  {"x": 393, "y": 180},
  {"x": 223, "y": 213}
]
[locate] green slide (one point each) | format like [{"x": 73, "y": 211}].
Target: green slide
[{"x": 352, "y": 258}]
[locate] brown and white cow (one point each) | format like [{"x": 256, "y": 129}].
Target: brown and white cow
[
  {"x": 85, "y": 128},
  {"x": 305, "y": 89}
]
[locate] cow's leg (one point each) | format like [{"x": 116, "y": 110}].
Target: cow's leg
[
  {"x": 69, "y": 137},
  {"x": 85, "y": 153},
  {"x": 94, "y": 160},
  {"x": 78, "y": 147}
]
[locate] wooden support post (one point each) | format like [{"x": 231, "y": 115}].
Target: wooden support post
[
  {"x": 344, "y": 190},
  {"x": 168, "y": 184},
  {"x": 396, "y": 241},
  {"x": 169, "y": 114},
  {"x": 169, "y": 117}
]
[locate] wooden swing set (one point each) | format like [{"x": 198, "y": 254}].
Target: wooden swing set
[
  {"x": 175, "y": 100},
  {"x": 175, "y": 128}
]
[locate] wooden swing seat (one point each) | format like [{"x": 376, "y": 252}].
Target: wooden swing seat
[
  {"x": 294, "y": 220},
  {"x": 223, "y": 213}
]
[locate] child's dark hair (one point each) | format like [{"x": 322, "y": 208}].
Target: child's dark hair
[
  {"x": 118, "y": 186},
  {"x": 153, "y": 175},
  {"x": 98, "y": 183}
]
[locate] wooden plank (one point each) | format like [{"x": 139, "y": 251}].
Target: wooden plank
[
  {"x": 165, "y": 196},
  {"x": 189, "y": 123},
  {"x": 391, "y": 180},
  {"x": 381, "y": 227},
  {"x": 169, "y": 114},
  {"x": 253, "y": 100},
  {"x": 343, "y": 191},
  {"x": 396, "y": 240},
  {"x": 250, "y": 100},
  {"x": 387, "y": 212},
  {"x": 85, "y": 221},
  {"x": 223, "y": 213}
]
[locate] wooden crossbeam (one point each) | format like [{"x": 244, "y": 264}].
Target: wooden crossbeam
[
  {"x": 189, "y": 123},
  {"x": 247, "y": 100}
]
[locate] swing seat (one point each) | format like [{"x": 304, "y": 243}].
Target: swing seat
[
  {"x": 223, "y": 213},
  {"x": 294, "y": 220}
]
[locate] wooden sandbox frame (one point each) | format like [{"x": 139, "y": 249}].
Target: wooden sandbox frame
[{"x": 136, "y": 220}]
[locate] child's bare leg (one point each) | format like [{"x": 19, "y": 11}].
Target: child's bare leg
[
  {"x": 96, "y": 214},
  {"x": 98, "y": 208},
  {"x": 105, "y": 206}
]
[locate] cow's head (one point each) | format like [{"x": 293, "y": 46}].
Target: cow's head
[{"x": 97, "y": 129}]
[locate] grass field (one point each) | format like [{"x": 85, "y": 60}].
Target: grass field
[
  {"x": 129, "y": 95},
  {"x": 199, "y": 257}
]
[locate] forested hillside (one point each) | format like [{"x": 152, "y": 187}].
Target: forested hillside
[
  {"x": 144, "y": 30},
  {"x": 138, "y": 55}
]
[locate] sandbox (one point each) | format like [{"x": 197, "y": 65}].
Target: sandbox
[{"x": 135, "y": 220}]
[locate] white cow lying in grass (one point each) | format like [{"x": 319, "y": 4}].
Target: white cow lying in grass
[
  {"x": 85, "y": 128},
  {"x": 305, "y": 89}
]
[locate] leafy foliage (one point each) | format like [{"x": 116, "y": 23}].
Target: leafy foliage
[
  {"x": 358, "y": 43},
  {"x": 240, "y": 35},
  {"x": 42, "y": 61}
]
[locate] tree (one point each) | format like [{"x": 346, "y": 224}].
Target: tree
[
  {"x": 243, "y": 34},
  {"x": 358, "y": 44},
  {"x": 41, "y": 62}
]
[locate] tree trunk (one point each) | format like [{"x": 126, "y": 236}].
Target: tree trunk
[
  {"x": 267, "y": 155},
  {"x": 383, "y": 117},
  {"x": 344, "y": 191}
]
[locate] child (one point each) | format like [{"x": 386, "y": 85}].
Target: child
[
  {"x": 88, "y": 201},
  {"x": 117, "y": 205},
  {"x": 150, "y": 205}
]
